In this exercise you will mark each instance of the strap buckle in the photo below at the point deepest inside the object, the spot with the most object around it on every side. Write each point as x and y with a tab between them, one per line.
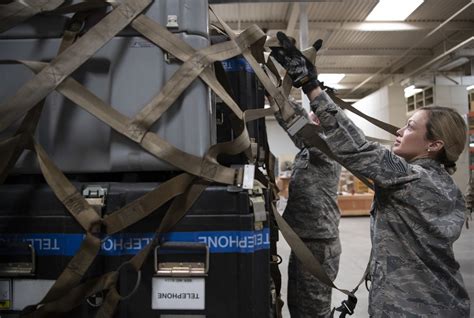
123	268
296	124
257	200
347	307
95	195
367	279
328	89
244	177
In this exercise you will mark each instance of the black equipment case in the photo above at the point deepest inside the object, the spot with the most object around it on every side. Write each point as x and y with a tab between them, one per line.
236	284
220	234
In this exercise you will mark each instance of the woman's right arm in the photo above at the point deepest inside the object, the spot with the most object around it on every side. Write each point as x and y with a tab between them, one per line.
299	110
349	145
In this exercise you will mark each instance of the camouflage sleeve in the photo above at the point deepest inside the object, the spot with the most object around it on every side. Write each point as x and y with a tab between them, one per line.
469	194
317	153
300	111
349	145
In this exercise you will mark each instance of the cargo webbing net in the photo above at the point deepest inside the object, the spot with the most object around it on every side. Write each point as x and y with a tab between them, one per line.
26	105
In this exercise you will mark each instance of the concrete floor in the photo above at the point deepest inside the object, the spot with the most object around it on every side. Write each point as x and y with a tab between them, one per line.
354	232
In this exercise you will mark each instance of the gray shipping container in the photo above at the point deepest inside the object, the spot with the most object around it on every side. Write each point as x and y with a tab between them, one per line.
126	73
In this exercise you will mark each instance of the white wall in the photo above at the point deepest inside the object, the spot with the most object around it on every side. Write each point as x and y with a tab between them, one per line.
386	104
279	142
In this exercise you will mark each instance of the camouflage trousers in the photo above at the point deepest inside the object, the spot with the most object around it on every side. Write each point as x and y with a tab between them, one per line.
307	296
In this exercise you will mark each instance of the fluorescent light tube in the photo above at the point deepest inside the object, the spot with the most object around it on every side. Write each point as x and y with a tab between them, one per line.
393	10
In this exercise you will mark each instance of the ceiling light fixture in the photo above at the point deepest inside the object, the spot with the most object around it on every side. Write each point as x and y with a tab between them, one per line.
393	10
453	64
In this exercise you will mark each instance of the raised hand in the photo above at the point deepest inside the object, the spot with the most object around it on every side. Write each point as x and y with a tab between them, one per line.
301	71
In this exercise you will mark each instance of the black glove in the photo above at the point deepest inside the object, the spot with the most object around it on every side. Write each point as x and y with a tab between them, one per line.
301	71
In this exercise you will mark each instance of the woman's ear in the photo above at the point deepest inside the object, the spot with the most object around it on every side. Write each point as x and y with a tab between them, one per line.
436	146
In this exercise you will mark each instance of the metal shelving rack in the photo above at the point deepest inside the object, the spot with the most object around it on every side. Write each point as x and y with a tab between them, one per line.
420	99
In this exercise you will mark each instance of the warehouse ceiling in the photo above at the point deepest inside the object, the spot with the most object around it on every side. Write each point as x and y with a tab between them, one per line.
436	39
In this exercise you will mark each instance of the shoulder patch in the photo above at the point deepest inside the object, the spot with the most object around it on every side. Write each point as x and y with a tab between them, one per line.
395	163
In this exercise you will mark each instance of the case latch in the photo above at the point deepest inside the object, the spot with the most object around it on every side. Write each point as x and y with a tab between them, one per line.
17	259
95	195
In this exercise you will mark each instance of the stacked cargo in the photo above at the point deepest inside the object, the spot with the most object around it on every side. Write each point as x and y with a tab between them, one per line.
213	263
126	73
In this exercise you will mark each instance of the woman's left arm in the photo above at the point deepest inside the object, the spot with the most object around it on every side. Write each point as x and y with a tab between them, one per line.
349	145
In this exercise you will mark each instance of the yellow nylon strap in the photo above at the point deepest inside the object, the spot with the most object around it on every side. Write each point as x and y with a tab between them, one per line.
310	262
73	298
168	42
66	192
189	71
137	132
90	246
286	86
310	132
16	12
310	53
75	269
30	121
382	125
146	204
183	51
107	309
108	281
150	141
234	147
177	210
160	36
137	210
281	101
120	219
84	214
68	61
82	260
253	114
201	167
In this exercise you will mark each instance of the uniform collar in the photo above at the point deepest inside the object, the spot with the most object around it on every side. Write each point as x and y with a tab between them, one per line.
426	163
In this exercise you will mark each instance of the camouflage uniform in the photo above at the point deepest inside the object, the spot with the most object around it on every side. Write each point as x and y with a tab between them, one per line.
313	214
469	199
418	213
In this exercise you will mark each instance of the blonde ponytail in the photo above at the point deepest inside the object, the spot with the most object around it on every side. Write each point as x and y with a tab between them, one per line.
447	125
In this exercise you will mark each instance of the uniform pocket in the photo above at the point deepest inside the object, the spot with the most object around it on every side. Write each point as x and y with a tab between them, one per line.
302	162
377	277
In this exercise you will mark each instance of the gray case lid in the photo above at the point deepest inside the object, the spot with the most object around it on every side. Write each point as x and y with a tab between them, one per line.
191	17
126	73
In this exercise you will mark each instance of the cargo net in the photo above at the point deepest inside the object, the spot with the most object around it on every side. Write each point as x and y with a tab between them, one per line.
77	46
